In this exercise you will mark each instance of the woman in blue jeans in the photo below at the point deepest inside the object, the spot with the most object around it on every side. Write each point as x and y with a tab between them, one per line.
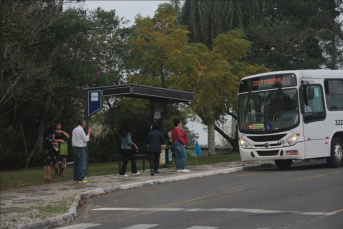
179	146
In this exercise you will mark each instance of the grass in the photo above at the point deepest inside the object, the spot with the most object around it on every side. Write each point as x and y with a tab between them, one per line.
58	207
30	177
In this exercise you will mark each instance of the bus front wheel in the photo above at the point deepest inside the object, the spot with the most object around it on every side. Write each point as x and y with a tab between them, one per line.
283	164
336	153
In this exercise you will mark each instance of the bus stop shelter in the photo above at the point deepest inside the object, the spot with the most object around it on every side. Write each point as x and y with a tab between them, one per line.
159	97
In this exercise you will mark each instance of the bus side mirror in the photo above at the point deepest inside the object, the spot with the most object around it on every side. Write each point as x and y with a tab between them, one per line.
301	97
310	95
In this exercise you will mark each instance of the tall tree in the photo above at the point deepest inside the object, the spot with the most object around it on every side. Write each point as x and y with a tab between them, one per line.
190	66
207	19
48	57
295	34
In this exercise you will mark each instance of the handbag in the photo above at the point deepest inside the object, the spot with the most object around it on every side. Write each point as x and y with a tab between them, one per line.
134	148
56	148
64	148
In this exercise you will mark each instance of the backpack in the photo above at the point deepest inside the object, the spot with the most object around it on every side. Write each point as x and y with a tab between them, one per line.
170	135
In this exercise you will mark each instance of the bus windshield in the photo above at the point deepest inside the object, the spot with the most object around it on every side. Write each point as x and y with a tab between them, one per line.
268	111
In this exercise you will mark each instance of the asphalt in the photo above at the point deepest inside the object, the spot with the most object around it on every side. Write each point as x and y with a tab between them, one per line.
20	208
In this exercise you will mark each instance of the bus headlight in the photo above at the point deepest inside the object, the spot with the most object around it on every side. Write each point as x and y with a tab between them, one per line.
243	143
292	140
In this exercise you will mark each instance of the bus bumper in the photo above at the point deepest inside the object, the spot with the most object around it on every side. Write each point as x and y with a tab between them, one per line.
296	152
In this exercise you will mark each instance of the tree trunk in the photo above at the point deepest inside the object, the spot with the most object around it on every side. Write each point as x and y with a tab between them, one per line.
39	141
21	131
233	141
211	140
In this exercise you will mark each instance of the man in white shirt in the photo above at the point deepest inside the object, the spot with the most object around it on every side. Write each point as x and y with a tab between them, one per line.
79	143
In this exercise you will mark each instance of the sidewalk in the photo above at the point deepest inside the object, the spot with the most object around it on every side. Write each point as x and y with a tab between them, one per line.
38	203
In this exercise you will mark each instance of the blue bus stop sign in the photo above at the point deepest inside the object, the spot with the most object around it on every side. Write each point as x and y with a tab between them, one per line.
94	102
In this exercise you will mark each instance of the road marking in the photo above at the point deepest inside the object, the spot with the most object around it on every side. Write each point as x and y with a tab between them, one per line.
245	210
340	210
141	226
311	177
200	198
201	227
80	226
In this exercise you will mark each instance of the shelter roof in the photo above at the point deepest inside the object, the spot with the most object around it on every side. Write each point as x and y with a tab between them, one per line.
145	92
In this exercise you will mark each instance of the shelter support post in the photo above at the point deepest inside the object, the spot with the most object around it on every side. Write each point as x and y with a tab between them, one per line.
152	112
86	128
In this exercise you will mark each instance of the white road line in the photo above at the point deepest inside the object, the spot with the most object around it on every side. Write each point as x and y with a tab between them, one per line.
201	227
256	211
80	226
141	226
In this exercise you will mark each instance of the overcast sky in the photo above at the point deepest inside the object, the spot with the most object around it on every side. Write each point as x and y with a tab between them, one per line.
129	9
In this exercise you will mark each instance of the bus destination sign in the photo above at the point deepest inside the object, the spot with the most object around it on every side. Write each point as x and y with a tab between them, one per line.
267	82
256	83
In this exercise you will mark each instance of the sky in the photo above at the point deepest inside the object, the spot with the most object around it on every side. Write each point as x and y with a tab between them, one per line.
128	10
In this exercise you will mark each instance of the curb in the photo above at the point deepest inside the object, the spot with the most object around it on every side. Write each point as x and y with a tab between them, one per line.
79	198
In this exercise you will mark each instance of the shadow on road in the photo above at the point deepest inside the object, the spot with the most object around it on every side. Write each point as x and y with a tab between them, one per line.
298	166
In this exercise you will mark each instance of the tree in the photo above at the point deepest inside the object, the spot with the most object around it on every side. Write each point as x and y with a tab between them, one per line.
44	70
294	34
190	66
207	19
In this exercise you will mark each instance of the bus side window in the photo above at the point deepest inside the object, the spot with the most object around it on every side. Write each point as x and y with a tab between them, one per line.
334	94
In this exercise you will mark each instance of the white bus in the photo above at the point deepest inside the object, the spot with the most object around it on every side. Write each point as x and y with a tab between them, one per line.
291	115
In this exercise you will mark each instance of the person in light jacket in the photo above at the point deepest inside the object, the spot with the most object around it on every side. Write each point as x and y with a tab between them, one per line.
154	139
126	149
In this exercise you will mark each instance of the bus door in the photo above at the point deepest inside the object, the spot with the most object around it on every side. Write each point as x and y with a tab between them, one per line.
314	114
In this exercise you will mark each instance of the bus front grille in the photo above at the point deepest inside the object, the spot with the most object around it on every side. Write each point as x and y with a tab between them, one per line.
268	153
264	146
267	138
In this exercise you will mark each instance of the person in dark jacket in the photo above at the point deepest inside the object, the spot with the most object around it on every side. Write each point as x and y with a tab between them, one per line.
155	139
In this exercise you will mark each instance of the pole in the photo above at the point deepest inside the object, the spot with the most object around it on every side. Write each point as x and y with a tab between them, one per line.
152	112
196	159
86	128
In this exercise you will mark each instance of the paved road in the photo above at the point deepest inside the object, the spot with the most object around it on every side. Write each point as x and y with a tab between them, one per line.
309	195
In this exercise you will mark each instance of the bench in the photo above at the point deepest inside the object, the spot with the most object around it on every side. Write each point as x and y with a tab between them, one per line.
136	156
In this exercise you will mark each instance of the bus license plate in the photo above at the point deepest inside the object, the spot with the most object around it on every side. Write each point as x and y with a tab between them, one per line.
292	152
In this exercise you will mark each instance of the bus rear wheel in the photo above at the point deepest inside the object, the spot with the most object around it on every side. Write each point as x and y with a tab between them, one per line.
336	153
283	164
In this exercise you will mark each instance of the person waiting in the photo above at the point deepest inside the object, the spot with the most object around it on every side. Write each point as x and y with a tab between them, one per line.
50	154
154	139
58	136
126	149
179	146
